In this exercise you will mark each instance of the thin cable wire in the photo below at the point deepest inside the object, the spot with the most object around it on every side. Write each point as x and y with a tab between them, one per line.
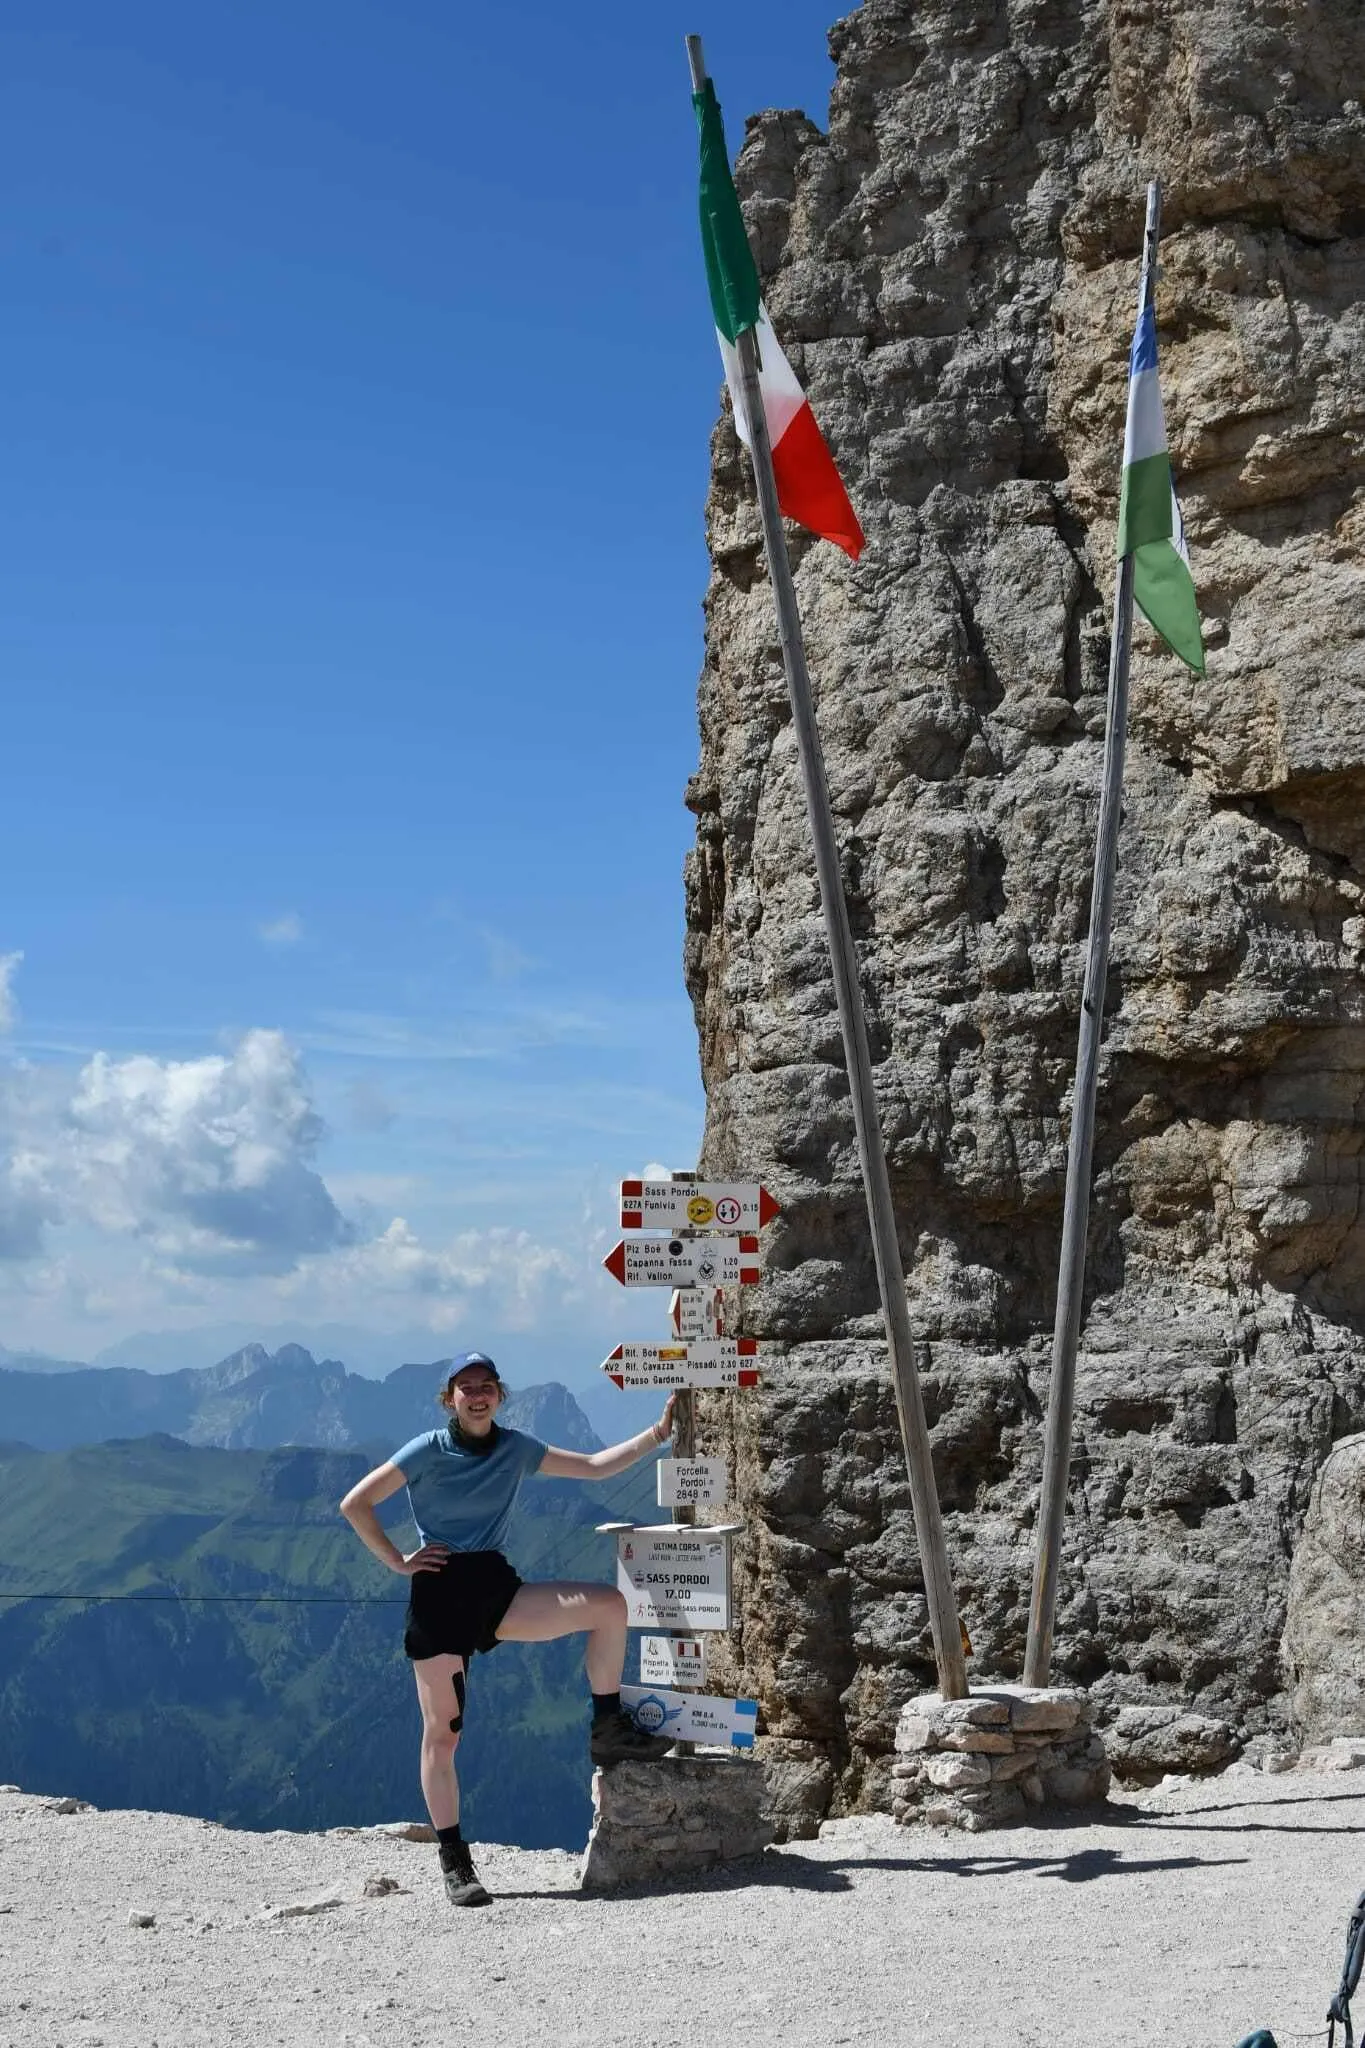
226	1599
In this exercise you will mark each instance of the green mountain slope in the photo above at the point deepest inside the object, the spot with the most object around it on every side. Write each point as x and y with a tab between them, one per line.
253	1670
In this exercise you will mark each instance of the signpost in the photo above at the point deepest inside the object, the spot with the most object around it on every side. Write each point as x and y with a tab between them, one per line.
728	1362
684	1262
674	1577
695	1205
677	1661
692	1717
697	1312
692	1482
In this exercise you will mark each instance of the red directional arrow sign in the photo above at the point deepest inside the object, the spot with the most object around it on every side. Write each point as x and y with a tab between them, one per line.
685	1262
726	1362
695	1205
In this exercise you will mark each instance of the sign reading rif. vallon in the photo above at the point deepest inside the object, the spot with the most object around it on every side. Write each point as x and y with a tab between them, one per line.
677	1661
692	1482
674	1578
695	1205
697	1312
728	1362
684	1262
691	1716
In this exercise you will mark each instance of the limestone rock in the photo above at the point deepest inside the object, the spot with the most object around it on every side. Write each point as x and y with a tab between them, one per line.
953	267
1324	1638
653	1823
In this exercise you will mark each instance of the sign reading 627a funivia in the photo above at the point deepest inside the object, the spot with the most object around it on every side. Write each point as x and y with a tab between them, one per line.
684	1262
695	1205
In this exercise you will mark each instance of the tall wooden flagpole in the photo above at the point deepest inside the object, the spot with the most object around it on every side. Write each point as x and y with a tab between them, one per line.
1076	1210
943	1616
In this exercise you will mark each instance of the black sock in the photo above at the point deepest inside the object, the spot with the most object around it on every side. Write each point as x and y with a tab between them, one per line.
448	1840
605	1704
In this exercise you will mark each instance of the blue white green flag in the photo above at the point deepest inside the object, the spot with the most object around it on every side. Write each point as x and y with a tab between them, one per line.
1150	527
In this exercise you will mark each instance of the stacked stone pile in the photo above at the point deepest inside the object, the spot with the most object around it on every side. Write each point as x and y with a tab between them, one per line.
653	1823
976	1762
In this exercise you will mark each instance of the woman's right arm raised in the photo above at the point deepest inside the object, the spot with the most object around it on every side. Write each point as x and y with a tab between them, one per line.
359	1509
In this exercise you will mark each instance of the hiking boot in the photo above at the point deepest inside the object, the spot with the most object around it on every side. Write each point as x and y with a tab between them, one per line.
461	1879
617	1740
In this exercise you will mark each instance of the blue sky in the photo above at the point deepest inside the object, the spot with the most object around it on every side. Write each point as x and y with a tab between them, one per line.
359	377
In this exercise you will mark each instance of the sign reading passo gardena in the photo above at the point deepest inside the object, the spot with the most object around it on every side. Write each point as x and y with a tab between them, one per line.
691	1716
729	1362
695	1205
684	1262
674	1578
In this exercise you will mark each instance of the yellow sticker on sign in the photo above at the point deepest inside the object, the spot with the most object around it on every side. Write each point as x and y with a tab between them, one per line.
700	1210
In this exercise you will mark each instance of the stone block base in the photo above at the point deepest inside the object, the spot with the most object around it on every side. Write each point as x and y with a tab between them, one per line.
996	1756
656	1822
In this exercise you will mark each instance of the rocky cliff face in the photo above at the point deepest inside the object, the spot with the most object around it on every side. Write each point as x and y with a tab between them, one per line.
954	264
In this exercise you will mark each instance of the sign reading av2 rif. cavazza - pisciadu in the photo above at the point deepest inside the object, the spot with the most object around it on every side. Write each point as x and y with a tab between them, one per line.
695	1205
729	1362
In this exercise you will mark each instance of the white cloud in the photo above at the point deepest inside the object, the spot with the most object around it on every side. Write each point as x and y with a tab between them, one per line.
503	1276
208	1159
282	931
9	1009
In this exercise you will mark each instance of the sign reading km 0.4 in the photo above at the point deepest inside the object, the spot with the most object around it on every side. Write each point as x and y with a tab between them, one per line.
684	1262
695	1205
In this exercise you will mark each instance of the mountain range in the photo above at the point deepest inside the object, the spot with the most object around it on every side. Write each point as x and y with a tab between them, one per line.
193	1628
256	1400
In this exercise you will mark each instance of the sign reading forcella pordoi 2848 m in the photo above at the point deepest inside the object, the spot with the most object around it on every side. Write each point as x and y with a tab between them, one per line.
695	1205
692	1482
728	1362
684	1262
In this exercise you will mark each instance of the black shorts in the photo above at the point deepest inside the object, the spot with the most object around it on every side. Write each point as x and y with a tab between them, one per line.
457	1610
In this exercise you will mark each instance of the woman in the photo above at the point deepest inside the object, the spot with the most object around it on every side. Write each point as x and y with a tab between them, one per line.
462	1484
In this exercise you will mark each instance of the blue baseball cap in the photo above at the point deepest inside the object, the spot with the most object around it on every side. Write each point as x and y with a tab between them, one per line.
467	1358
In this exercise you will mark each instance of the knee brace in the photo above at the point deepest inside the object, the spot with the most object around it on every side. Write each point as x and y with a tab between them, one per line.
458	1723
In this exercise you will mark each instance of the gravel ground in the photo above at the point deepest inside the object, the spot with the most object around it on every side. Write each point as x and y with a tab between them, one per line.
1186	1916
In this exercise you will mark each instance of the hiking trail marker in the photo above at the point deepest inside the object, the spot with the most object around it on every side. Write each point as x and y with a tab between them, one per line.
691	1716
673	1577
684	1261
697	1312
675	1661
680	1204
727	1362
692	1482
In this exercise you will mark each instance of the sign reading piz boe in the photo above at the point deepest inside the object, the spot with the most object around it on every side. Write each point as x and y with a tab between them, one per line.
684	1262
674	1577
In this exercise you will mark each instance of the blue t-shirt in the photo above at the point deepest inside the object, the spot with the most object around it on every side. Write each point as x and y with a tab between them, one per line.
461	1497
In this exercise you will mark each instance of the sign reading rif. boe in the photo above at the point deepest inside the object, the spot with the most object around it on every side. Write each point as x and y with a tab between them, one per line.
730	1362
674	1577
684	1262
676	1661
692	1482
695	1205
691	1716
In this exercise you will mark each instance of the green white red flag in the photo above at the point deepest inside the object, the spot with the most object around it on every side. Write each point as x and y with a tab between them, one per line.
809	487
1151	529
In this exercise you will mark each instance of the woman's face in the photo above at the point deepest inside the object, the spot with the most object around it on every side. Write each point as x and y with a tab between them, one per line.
473	1397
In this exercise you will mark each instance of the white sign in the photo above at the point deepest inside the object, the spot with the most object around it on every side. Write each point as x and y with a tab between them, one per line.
729	1362
691	1716
673	1660
692	1482
697	1312
684	1262
695	1205
677	1578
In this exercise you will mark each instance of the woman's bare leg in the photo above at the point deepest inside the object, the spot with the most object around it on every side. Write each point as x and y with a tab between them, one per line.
540	1613
440	1690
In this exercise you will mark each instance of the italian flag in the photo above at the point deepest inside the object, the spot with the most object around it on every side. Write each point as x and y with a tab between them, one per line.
1150	527
809	489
